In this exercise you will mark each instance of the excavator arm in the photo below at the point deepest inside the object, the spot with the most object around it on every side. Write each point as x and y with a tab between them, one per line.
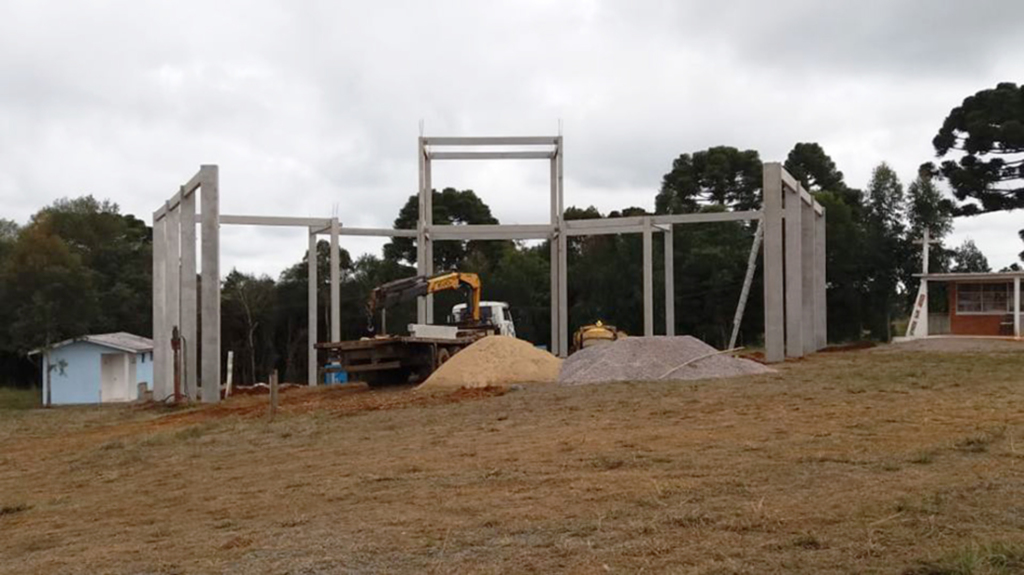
406	289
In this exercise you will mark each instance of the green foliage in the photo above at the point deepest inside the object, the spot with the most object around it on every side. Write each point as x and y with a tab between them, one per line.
888	250
722	175
808	163
968	258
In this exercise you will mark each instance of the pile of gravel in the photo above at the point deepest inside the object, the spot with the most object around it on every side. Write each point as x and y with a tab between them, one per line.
650	359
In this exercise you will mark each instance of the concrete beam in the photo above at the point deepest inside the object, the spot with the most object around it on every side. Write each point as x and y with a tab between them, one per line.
748	280
491	141
184	191
209	196
708	217
490	232
491	155
774	306
189	298
602	231
236	220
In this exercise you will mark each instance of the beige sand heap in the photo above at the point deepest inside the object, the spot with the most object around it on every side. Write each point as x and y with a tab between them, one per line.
496	360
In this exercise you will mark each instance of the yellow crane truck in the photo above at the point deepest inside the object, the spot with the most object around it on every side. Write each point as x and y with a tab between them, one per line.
382	359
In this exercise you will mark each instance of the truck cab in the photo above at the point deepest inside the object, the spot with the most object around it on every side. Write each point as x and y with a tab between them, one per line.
495	313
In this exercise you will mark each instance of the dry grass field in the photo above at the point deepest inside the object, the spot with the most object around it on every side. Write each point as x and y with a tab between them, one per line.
870	461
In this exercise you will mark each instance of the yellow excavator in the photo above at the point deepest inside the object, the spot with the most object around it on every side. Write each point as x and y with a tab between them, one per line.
593	334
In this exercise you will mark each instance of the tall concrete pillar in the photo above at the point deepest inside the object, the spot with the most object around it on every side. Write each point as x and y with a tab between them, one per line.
555	331
809	309
172	279
335	282
648	278
209	196
820	283
421	232
670	282
563	255
189	296
311	308
428	243
774	306
794	273
159	308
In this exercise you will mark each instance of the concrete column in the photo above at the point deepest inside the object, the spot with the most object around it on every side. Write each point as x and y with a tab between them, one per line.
807	242
748	280
421	236
172	279
555	331
335	282
311	316
563	256
794	273
428	243
210	362
1016	307
159	309
774	306
670	282
189	310
820	283
648	278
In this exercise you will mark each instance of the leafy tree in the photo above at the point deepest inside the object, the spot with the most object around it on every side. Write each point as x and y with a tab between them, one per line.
887	246
248	323
808	163
450	207
722	175
968	258
988	130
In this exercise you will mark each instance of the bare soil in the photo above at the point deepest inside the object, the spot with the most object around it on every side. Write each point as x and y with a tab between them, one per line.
852	462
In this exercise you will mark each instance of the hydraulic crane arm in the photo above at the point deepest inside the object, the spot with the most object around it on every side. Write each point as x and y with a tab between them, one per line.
406	289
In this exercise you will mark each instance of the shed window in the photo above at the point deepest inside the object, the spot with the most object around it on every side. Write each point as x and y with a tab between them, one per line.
983	298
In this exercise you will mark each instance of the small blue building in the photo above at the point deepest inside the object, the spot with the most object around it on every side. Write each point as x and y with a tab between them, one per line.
101	368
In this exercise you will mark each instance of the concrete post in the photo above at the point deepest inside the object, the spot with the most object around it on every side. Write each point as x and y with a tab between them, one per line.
794	273
1016	307
670	282
555	331
159	320
820	283
189	296
807	243
311	316
421	235
563	257
210	362
774	307
748	280
172	298
648	278
335	283
428	243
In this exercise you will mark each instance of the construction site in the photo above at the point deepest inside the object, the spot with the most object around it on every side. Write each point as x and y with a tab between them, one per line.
451	445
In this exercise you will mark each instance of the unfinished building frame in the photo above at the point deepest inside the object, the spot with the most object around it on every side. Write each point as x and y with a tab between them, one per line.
791	223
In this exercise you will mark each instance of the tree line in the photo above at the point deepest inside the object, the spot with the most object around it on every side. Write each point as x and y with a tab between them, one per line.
80	266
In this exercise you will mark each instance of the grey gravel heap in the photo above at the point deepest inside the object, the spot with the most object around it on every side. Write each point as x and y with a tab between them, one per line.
650	359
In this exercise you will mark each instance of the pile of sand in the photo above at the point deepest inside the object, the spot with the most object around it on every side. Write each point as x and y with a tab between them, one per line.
495	360
652	359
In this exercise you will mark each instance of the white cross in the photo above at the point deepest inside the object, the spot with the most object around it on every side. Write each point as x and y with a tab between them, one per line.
926	241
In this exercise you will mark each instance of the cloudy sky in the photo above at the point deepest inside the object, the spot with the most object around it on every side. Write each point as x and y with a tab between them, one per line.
313	108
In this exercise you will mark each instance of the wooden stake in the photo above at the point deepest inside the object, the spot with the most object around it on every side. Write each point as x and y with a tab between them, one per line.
273	394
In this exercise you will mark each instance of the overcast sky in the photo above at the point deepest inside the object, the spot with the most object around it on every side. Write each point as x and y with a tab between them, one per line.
313	108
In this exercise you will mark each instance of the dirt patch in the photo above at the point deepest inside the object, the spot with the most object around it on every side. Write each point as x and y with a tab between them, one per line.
495	360
653	359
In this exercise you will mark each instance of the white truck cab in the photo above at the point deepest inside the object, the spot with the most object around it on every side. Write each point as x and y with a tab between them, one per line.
494	312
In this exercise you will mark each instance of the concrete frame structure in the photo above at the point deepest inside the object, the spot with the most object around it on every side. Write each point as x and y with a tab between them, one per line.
791	222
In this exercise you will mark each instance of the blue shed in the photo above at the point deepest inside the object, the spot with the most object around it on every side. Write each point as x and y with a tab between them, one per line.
101	368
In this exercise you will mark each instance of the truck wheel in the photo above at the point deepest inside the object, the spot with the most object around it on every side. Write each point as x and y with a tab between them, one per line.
442	356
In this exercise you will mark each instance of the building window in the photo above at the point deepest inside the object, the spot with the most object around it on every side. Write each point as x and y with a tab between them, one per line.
983	298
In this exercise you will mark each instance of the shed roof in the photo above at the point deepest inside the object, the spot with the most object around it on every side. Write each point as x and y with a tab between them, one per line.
119	340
